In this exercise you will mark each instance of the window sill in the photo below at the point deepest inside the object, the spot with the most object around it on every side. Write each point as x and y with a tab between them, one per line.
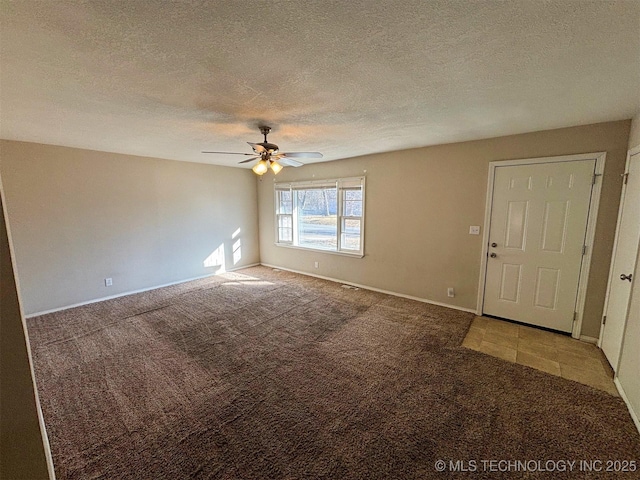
319	250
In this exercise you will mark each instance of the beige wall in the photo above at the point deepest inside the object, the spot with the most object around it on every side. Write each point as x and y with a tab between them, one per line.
80	216
421	202
634	135
22	452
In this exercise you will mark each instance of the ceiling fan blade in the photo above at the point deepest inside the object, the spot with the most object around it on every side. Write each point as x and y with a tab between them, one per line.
288	162
231	153
257	148
302	154
249	160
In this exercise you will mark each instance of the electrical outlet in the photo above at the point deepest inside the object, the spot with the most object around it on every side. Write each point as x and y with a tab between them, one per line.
315	264
474	230
108	282
451	292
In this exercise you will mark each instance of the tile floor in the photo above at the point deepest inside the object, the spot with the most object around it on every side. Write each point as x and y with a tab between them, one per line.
550	352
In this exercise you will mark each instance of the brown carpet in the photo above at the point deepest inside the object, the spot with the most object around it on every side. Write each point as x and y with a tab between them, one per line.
263	374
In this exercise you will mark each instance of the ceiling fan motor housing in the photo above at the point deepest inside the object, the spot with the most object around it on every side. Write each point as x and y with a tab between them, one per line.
270	147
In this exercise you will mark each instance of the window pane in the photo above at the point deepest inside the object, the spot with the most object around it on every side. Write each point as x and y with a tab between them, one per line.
317	220
352	208
350	234
285	221
285	205
353	194
285	234
285	228
352	202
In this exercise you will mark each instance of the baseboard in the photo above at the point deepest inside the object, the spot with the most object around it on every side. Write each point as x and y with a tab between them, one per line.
131	292
623	394
374	289
587	339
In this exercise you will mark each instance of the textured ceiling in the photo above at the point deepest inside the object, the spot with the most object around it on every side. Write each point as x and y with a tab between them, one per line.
169	79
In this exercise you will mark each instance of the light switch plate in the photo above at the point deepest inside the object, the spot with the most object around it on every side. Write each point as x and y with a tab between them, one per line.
474	230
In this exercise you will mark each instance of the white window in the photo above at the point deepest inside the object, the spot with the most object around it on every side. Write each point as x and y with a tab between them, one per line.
323	215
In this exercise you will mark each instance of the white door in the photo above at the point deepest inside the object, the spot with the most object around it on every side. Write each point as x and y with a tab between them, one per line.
624	261
538	224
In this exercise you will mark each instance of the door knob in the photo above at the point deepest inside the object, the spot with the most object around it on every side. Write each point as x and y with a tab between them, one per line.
494	244
626	277
493	255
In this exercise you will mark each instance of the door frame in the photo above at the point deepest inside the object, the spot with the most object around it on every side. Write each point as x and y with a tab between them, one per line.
630	153
594	204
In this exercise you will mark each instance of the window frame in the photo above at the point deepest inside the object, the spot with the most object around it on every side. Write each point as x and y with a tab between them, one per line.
338	184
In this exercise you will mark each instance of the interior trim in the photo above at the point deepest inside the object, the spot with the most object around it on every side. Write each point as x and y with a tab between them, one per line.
131	292
367	287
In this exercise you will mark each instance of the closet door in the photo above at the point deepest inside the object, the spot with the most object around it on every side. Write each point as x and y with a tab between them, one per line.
621	277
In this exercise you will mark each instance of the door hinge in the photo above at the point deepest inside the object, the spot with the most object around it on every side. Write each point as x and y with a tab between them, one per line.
584	250
595	177
604	319
575	316
625	177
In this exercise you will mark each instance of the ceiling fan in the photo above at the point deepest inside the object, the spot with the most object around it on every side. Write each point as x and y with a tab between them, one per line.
270	155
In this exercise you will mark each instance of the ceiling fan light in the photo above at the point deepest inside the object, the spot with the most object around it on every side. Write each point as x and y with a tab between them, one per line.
260	168
276	167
